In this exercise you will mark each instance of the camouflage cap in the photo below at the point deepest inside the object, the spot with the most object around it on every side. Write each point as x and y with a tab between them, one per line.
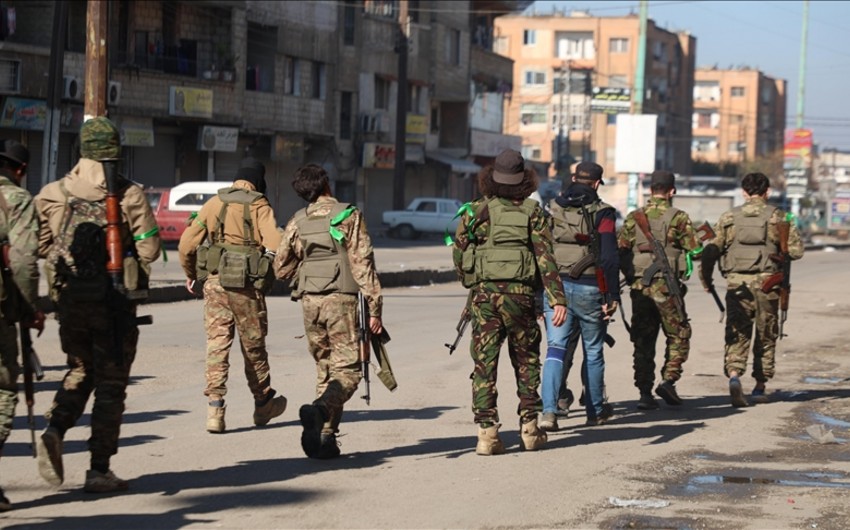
100	139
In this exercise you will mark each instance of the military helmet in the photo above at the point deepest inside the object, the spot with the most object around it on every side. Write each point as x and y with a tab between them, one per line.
100	139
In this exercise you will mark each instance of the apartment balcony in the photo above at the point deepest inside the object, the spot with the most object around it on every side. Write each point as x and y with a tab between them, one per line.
491	69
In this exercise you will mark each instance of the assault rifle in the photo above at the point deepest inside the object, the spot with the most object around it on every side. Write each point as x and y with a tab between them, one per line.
707	234
32	368
119	297
31	362
783	277
465	317
363	337
660	264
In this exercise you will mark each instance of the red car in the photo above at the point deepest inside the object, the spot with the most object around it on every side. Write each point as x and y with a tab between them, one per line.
172	207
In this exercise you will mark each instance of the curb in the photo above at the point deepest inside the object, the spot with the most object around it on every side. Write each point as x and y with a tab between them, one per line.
177	292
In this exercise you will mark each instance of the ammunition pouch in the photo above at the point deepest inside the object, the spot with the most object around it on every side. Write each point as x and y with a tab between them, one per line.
468	266
237	266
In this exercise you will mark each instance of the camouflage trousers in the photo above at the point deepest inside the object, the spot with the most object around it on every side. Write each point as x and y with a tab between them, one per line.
652	308
9	371
86	332
330	323
496	317
225	312
747	305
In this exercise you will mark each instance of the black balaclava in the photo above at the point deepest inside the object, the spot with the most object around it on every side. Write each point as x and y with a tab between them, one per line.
253	171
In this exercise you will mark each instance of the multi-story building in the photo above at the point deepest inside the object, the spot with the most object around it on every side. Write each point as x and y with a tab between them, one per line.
739	115
558	60
197	86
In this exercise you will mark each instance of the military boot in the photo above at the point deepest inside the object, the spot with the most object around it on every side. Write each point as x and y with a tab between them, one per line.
215	419
273	408
489	442
533	438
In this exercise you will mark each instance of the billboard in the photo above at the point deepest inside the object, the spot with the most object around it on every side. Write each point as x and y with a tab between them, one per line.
798	161
635	151
610	100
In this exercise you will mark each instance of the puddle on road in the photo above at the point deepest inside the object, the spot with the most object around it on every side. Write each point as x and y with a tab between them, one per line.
703	483
832	422
822	380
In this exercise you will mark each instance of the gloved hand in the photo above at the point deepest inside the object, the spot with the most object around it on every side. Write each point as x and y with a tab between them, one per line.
35	321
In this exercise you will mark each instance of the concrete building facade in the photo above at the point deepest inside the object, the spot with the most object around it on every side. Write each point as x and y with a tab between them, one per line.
739	115
197	86
559	59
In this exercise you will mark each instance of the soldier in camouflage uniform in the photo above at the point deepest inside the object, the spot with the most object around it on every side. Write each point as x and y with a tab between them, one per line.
503	252
327	251
652	306
747	238
237	222
19	286
87	321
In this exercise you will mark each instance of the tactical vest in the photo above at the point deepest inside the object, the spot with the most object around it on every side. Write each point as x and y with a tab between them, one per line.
237	265
325	268
506	255
750	250
568	222
659	227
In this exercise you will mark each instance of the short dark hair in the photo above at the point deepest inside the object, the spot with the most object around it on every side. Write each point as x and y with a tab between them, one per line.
490	188
310	182
755	184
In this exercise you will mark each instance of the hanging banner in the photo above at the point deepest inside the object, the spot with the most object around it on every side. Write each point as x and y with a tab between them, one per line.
190	102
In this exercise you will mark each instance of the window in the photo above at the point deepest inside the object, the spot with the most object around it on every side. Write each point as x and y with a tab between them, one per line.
382	93
706	120
707	91
415	98
529	37
531	113
260	63
292	84
766	95
533	77
382	8
737	147
435	119
10	76
575	45
348	21
703	144
427	206
319	80
738	92
737	119
531	152
345	113
453	47
413	9
618	45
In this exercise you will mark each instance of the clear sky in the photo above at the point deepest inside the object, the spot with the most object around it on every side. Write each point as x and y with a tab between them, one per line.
764	35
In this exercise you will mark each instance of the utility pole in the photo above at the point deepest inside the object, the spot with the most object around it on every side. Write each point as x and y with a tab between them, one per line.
559	142
637	97
95	81
801	99
401	105
50	150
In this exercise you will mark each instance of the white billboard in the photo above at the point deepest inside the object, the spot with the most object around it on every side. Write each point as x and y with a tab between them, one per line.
635	151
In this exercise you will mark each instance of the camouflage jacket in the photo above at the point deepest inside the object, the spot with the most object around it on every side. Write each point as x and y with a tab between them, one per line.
725	234
472	231
19	227
358	244
681	235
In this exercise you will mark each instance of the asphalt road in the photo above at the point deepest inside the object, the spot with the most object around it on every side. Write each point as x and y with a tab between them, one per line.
409	461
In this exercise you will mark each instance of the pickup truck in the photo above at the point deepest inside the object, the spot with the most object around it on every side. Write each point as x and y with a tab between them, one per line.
422	215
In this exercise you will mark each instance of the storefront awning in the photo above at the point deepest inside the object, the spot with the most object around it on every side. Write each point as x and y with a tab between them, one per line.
458	165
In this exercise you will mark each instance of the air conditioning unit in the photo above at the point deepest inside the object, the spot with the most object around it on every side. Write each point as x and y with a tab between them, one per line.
73	88
113	93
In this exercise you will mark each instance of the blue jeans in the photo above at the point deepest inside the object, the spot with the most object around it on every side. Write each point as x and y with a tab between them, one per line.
584	315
